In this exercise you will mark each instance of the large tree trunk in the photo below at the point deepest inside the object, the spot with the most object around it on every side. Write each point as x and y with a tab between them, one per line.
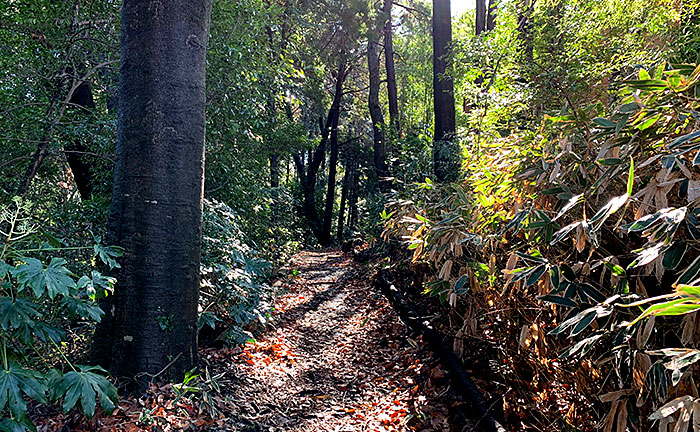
391	87
375	112
445	149
76	151
158	186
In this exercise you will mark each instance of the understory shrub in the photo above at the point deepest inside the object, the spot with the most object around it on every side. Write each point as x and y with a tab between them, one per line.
44	309
575	246
234	295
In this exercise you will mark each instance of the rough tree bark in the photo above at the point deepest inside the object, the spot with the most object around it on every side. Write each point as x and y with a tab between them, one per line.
151	331
445	150
391	87
375	112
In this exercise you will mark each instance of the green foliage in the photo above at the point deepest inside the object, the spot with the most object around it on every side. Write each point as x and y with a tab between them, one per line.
600	202
36	300
233	293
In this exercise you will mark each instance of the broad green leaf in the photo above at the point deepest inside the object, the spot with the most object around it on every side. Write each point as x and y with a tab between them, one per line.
17	313
96	285
648	255
107	254
674	255
85	309
585	321
16	381
562	233
609	209
616	269
535	275
684	139
459	287
54	279
630	178
600	121
649	122
690	274
87	385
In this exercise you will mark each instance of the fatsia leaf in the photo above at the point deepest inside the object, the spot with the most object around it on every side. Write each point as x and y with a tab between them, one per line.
97	285
54	279
16	380
17	313
107	254
85	309
87	385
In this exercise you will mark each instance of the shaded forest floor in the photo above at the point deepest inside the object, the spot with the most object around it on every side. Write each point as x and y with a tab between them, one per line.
335	358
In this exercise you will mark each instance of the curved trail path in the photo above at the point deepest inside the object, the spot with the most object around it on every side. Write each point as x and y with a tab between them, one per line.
337	358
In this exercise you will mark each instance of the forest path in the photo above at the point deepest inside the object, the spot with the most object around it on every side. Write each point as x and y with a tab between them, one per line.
337	358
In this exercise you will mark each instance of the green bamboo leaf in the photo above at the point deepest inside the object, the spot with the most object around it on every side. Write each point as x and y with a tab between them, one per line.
649	122
630	178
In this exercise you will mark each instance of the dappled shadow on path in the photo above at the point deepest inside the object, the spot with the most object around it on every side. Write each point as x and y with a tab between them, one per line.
336	358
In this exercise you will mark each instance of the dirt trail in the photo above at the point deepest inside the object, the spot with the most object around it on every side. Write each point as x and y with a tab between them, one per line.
337	359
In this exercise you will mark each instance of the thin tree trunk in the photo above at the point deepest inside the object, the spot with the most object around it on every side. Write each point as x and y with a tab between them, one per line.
391	87
77	161
491	17
343	200
480	16
319	155
375	112
445	150
151	334
330	194
354	186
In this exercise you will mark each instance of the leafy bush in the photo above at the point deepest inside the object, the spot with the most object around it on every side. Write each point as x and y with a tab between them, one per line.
574	226
233	291
39	298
